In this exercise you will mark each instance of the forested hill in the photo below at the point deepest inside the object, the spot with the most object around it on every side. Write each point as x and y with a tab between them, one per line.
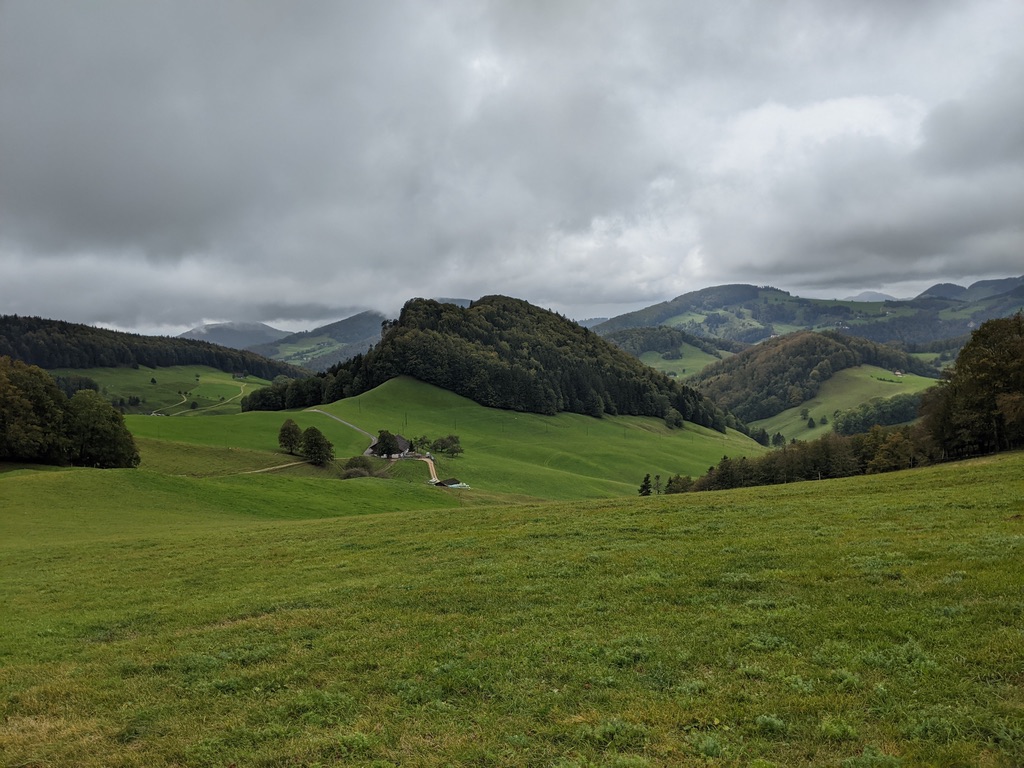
56	344
749	314
507	353
779	373
665	340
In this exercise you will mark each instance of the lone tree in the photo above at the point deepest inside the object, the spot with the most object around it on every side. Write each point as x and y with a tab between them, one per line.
645	486
290	436
317	448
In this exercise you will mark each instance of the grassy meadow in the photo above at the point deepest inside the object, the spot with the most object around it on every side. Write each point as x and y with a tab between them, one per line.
691	362
152	619
567	456
177	387
846	389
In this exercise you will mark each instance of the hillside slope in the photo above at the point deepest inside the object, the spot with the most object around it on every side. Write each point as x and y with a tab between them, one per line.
750	313
506	353
873	621
327	345
236	335
784	372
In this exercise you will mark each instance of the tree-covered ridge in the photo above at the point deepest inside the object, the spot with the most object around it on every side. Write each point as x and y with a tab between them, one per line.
783	372
706	299
749	314
666	341
506	353
58	344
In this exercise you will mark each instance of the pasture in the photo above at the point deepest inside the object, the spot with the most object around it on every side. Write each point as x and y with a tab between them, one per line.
269	620
846	389
172	390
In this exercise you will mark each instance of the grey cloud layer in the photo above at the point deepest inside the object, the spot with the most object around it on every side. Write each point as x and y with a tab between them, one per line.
166	162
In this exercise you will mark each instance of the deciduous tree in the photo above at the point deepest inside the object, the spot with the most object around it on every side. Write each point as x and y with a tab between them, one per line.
290	436
317	448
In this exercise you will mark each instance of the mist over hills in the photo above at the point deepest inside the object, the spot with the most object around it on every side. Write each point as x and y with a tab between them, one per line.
236	335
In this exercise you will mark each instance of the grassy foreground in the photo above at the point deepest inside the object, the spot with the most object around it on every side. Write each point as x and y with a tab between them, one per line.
875	621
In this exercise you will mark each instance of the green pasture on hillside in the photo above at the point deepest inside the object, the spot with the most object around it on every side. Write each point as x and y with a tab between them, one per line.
846	389
165	621
509	456
176	388
550	457
691	362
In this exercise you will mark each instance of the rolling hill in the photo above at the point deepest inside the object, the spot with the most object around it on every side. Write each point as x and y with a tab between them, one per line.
751	314
785	372
508	455
507	353
263	619
328	345
236	335
53	344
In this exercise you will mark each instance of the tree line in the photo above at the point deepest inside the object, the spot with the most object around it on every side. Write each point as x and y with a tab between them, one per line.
40	424
54	344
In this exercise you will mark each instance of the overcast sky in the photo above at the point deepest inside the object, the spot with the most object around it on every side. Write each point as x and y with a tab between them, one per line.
164	164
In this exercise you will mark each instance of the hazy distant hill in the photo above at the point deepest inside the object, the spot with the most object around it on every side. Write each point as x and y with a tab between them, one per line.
235	335
751	314
327	345
871	296
783	372
56	344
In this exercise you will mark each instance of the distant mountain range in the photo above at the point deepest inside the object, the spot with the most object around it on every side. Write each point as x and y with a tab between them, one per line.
327	345
235	335
750	313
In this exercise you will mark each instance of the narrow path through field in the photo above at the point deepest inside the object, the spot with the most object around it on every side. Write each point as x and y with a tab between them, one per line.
373	438
373	441
430	463
271	469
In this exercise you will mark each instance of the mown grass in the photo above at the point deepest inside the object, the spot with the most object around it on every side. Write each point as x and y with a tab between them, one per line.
158	621
846	389
177	387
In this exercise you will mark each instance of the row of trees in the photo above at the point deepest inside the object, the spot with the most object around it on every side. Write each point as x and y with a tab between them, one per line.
883	412
39	423
310	443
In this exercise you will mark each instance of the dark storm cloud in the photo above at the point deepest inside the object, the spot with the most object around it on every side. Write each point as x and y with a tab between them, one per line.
168	162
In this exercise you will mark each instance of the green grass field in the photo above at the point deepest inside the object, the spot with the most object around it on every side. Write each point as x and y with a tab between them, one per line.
847	389
266	620
549	457
301	352
176	388
691	362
